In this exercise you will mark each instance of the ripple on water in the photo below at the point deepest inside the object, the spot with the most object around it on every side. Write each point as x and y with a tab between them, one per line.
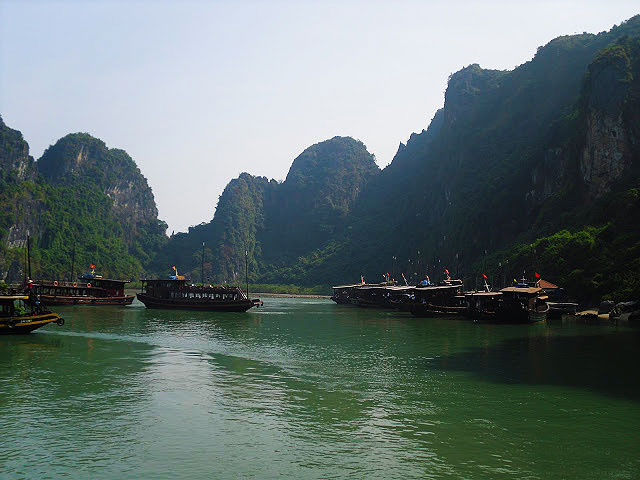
304	389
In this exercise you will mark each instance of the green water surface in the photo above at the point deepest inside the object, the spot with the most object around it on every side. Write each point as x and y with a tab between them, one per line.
304	388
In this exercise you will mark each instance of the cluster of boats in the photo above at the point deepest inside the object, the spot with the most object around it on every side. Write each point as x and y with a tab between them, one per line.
524	302
24	309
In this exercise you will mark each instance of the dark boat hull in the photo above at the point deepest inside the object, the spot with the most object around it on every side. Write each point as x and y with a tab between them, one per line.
26	324
218	306
51	300
434	311
519	316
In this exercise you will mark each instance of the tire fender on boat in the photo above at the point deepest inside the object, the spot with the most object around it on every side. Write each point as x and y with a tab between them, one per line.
11	323
55	283
60	322
75	284
88	284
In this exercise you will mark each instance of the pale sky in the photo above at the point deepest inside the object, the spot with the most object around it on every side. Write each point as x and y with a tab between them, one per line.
198	92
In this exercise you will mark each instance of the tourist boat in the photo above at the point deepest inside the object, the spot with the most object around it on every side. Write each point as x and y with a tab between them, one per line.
89	289
175	293
21	314
444	299
482	305
521	304
380	295
342	294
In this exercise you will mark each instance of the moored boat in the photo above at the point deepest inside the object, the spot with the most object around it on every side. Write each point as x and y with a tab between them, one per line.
522	304
22	314
482	305
444	299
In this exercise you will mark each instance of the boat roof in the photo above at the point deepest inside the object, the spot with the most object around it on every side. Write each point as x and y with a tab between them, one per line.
79	281
11	298
348	286
429	288
179	279
546	284
530	290
484	294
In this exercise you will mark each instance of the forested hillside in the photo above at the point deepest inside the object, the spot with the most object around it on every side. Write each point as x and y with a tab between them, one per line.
275	222
534	169
79	193
523	170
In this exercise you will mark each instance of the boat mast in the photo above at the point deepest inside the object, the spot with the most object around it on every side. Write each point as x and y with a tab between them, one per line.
73	261
29	256
202	266
246	269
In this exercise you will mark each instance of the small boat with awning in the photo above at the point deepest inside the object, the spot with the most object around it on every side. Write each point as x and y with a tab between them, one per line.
22	314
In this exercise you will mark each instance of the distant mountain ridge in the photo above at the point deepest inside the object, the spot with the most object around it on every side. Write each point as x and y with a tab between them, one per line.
533	169
277	222
512	158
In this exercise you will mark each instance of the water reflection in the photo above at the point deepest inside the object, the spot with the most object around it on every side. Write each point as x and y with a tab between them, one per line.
603	362
310	389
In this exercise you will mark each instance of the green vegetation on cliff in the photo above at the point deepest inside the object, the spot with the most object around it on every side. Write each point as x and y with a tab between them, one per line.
537	168
80	193
532	156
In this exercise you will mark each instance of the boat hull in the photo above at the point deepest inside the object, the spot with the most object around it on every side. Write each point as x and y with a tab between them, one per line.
51	300
221	306
435	311
26	324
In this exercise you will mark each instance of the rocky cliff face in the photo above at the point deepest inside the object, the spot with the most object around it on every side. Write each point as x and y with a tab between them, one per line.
277	223
82	159
15	162
79	193
610	108
16	167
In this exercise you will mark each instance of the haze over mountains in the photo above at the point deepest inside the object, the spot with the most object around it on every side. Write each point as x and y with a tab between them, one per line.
531	169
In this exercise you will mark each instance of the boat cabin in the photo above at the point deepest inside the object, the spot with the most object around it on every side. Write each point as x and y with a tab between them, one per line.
14	306
178	289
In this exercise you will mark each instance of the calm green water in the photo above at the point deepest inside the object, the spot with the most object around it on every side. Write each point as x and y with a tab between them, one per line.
308	389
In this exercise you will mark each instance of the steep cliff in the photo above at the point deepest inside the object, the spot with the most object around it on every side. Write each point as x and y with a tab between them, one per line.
79	193
277	223
512	156
80	159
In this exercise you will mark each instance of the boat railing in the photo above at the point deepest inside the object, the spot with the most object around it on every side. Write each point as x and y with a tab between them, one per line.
62	283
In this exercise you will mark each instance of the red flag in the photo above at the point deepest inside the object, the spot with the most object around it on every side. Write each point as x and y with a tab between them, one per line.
537	275
446	271
92	266
174	268
485	277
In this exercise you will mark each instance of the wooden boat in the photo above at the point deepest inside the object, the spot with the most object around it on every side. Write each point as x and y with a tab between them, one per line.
175	293
444	299
89	289
482	305
557	309
372	296
521	304
342	294
20	314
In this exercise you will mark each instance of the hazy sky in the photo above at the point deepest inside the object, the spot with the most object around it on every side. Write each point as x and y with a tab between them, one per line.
198	92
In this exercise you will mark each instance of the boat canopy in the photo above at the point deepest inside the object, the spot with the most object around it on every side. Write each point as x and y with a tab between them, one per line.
11	298
527	290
